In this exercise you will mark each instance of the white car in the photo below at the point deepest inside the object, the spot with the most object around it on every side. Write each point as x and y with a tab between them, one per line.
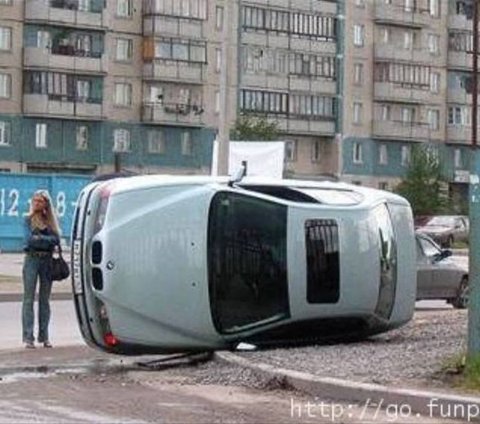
176	263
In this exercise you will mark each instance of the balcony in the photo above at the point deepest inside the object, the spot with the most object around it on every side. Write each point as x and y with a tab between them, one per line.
387	91
460	22
164	25
64	12
62	106
173	114
170	70
459	96
303	125
65	57
398	130
398	53
459	134
394	14
460	60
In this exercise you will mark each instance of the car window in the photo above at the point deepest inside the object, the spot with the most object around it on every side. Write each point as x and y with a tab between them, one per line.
429	248
247	261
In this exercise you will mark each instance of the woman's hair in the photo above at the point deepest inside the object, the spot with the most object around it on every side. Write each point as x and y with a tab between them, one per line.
46	218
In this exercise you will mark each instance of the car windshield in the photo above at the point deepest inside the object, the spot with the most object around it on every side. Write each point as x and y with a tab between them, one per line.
445	221
429	247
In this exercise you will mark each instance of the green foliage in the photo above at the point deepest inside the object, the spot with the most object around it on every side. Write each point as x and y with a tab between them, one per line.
423	183
249	128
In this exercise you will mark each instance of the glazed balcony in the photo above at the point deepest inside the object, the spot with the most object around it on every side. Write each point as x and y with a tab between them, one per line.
69	12
395	14
168	70
402	93
65	57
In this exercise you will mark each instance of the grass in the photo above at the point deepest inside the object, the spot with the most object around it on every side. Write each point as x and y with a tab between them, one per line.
462	372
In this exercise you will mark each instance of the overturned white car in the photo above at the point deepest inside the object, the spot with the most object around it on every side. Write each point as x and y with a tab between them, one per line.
170	263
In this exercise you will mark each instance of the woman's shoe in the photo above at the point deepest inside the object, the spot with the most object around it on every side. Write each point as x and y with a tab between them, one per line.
47	344
29	345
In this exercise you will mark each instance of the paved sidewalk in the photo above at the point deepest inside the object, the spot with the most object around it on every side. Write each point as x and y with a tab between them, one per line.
11	286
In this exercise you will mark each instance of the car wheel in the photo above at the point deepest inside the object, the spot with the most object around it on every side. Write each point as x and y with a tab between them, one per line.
461	301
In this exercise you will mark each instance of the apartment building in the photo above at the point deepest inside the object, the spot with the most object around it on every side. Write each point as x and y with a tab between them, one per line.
407	65
82	80
289	73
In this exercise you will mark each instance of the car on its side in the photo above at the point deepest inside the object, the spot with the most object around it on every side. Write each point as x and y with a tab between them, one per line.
446	229
439	276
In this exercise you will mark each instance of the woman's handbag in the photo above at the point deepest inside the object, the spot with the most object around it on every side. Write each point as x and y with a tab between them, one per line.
59	269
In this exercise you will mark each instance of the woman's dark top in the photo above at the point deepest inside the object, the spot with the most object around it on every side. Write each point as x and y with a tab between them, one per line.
38	240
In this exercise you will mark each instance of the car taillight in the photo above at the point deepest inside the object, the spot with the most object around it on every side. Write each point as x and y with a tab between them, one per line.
110	340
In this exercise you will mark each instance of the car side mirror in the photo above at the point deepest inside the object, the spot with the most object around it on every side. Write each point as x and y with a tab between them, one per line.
446	253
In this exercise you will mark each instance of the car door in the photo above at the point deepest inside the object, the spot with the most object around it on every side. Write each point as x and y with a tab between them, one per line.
424	271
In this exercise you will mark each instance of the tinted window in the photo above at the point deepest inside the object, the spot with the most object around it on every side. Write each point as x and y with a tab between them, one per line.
247	261
388	263
323	268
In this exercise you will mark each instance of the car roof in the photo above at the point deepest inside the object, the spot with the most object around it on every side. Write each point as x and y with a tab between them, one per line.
121	185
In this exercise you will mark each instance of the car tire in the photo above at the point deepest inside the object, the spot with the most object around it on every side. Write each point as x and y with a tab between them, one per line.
461	301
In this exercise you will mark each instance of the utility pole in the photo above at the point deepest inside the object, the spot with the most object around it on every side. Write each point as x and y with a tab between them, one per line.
223	126
474	206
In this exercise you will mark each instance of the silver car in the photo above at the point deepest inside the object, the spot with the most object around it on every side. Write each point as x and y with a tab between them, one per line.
446	229
438	275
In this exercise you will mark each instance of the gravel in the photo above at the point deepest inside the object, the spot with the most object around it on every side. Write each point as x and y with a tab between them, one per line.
413	354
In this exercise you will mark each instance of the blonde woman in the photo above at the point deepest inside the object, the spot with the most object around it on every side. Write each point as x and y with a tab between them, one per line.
41	235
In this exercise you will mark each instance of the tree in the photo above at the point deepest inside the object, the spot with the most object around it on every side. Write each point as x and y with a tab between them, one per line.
249	128
423	182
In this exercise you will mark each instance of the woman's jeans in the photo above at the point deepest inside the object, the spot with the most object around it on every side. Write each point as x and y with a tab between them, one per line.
36	267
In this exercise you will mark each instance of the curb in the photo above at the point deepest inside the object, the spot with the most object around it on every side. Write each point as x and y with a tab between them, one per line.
419	402
18	297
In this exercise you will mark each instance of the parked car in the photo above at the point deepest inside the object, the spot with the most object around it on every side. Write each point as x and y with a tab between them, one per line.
438	275
445	229
173	263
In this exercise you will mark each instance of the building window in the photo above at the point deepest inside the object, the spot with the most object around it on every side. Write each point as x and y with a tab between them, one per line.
409	5
6	2
217	101
123	94
156	142
43	39
406	155
316	151
218	60
291	150
383	154
458	159
83	90
124	49
409	40
358	35
219	17
459	115
357	153
5	133
403	73
385	112
82	137
181	50
358	73
121	140
360	3
357	113
385	35
408	115
434	82
5	38
383	185
187	144
434	44
194	9
434	6
124	8
5	86
433	119
41	136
